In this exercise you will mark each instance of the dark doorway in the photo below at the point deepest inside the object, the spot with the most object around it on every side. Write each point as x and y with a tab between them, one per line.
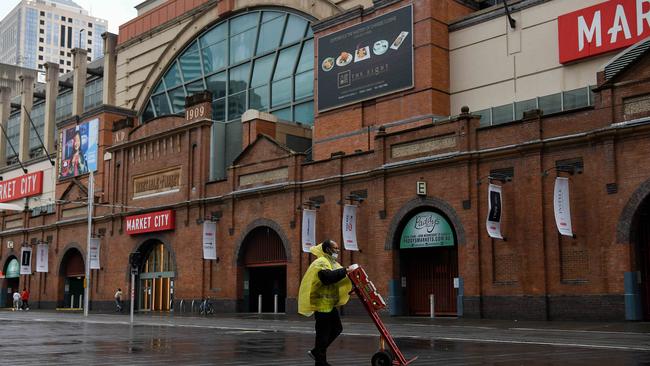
643	255
72	274
268	282
11	282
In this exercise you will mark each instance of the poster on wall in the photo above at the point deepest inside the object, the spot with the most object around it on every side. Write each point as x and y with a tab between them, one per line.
94	253
26	261
42	258
78	149
427	229
493	222
366	60
308	229
209	240
349	226
562	206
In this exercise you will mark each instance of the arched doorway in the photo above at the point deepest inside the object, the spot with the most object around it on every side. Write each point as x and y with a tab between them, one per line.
265	270
428	254
642	254
11	281
72	273
155	278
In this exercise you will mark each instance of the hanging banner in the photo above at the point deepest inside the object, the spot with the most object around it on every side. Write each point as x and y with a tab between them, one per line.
562	206
308	229
427	229
349	226
42	258
493	222
26	261
209	240
94	253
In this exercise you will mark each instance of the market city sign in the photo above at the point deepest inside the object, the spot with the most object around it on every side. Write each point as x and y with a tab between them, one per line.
150	222
24	186
602	28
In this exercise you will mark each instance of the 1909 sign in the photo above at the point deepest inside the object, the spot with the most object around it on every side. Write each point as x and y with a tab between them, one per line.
195	112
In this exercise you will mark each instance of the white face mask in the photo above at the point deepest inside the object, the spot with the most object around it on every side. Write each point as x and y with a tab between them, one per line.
335	255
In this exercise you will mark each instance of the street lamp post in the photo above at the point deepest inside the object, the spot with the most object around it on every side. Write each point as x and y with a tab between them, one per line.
91	195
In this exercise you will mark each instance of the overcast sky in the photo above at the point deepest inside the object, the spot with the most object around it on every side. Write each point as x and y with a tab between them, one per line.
115	11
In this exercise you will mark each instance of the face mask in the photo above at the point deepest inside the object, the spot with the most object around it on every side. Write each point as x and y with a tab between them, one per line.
335	255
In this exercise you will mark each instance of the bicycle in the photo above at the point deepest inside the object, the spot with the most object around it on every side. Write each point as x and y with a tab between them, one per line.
206	307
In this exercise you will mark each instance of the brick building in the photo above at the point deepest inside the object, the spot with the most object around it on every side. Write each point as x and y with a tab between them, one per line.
239	117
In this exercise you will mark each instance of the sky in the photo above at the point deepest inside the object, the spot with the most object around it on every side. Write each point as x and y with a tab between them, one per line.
115	11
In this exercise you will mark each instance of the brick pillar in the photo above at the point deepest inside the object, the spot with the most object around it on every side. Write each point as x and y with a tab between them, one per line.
5	111
51	93
255	122
110	68
26	101
79	82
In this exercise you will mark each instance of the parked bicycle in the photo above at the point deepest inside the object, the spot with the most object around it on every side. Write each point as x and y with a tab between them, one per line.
206	307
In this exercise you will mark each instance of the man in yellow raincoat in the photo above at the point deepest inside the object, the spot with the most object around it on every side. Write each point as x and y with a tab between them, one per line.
324	287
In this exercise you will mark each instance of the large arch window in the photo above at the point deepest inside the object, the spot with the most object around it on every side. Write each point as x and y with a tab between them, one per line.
260	59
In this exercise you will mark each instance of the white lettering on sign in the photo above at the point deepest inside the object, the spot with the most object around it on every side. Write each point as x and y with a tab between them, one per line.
589	32
195	112
155	221
20	187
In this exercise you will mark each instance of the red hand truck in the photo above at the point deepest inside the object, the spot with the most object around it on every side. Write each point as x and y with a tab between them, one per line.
373	302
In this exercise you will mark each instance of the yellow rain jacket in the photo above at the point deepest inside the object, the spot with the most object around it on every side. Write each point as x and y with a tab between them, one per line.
313	295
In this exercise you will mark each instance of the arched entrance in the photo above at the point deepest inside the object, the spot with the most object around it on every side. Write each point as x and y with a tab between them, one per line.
72	273
155	278
265	270
642	254
428	254
10	282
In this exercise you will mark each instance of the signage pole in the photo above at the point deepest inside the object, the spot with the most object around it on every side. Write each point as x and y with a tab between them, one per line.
91	194
132	292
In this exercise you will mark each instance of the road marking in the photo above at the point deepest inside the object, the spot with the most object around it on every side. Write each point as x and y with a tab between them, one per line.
579	331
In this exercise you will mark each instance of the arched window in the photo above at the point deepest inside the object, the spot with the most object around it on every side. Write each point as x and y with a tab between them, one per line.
259	59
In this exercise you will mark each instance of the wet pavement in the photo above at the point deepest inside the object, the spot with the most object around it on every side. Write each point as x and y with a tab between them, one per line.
40	338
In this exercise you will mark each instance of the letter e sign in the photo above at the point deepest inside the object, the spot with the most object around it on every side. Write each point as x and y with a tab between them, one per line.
421	188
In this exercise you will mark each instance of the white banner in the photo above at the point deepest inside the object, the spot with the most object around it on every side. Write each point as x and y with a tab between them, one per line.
308	229
349	226
209	240
493	222
94	253
562	206
42	258
26	261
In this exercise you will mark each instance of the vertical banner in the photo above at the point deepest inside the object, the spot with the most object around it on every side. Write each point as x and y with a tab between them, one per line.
493	222
209	240
26	261
308	229
562	206
42	258
94	253
349	226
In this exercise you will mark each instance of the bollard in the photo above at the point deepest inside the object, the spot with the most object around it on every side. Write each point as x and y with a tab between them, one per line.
259	304
181	306
275	304
71	301
192	307
432	304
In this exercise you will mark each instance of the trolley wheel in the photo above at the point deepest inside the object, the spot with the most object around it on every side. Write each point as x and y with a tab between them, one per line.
382	358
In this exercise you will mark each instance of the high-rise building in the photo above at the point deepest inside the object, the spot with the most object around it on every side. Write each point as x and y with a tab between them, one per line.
40	31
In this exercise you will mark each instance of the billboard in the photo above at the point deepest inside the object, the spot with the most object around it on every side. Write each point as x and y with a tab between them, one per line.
427	229
367	60
78	147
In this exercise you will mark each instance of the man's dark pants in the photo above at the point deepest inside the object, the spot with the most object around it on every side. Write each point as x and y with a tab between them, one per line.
328	327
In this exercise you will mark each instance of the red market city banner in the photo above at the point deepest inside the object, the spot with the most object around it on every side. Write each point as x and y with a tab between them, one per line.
150	222
602	28
24	186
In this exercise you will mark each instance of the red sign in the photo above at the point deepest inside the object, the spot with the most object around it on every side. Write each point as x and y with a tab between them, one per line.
149	222
602	28
25	186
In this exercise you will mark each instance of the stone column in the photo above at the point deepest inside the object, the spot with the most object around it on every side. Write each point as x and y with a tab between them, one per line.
5	111
26	101
110	68
51	93
79	82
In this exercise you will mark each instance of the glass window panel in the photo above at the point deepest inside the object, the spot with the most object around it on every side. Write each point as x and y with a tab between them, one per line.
576	98
217	85
551	103
485	116
177	98
296	27
523	106
241	46
219	109
286	62
148	113
195	87
304	84
310	32
304	113
215	57
238	78
283	114
236	105
268	15
216	34
172	77
244	22
270	35
161	104
281	92
262	70
159	88
259	98
190	66
306	57
502	114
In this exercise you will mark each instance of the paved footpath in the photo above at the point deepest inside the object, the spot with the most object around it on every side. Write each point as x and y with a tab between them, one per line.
44	337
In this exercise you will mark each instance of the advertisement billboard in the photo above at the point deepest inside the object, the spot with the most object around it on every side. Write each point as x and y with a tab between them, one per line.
427	229
78	147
